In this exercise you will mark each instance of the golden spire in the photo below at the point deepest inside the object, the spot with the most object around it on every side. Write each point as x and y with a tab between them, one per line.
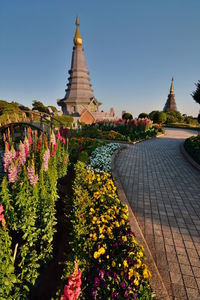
172	86
77	38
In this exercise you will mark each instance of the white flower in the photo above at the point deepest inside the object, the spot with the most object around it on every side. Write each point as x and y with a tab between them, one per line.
101	157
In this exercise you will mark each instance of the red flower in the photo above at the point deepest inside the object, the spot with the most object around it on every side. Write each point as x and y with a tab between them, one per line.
1	211
73	289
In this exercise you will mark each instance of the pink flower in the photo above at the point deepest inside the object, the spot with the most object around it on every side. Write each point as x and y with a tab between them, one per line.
22	154
12	173
53	138
65	159
26	147
30	140
73	289
33	178
39	144
1	212
7	158
46	157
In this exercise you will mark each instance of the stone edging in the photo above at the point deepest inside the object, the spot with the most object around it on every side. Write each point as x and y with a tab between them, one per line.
188	157
156	280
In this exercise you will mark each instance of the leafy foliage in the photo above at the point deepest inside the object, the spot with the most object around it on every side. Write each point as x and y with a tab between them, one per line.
196	93
143	115
192	146
127	116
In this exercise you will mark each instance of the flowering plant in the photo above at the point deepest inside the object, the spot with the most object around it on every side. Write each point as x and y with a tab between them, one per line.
28	194
101	157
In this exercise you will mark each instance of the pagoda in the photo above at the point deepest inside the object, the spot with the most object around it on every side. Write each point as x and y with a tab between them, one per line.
79	100
79	94
170	103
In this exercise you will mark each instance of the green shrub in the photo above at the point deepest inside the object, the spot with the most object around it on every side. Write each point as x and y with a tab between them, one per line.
192	146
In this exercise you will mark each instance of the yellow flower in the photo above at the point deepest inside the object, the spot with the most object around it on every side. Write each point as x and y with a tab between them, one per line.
124	238
146	273
125	264
136	281
139	263
113	263
102	236
94	220
102	250
130	273
140	254
122	222
116	223
96	254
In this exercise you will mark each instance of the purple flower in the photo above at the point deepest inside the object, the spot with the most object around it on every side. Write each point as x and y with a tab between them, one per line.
101	273
126	294
96	281
12	173
94	294
123	284
46	157
33	178
115	295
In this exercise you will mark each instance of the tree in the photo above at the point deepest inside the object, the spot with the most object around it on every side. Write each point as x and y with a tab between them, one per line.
6	107
151	115
159	117
196	96
143	115
174	116
38	105
54	109
127	116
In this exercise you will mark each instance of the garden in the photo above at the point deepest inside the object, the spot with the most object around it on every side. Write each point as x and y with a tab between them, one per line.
57	195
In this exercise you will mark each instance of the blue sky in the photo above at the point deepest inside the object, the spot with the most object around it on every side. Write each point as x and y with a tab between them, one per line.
132	49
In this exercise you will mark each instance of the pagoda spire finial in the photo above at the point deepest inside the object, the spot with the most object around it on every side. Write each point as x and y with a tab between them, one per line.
77	38
172	86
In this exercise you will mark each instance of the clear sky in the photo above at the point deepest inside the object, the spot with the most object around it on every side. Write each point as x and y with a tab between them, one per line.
132	48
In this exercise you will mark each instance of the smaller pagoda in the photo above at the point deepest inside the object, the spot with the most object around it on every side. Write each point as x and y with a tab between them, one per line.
171	103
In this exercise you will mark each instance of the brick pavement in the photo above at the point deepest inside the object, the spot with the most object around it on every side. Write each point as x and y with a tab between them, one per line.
163	190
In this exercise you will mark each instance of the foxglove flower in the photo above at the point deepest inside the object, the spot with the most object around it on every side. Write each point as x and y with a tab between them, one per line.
22	154
46	157
12	173
7	159
1	212
33	178
26	146
53	138
73	289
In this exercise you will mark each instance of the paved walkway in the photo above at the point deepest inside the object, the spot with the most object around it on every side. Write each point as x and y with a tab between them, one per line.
163	190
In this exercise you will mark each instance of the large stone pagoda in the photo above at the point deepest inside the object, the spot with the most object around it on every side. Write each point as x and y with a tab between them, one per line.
171	103
79	100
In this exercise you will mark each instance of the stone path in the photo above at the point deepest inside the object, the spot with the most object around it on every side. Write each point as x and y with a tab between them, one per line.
163	190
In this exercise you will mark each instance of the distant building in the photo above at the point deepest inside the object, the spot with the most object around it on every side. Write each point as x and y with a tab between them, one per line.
79	100
170	103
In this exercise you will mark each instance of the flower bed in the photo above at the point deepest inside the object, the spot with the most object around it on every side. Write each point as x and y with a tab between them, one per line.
120	130
192	146
28	194
111	262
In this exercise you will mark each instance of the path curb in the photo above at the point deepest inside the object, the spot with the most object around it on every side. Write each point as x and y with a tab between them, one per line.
188	157
156	281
